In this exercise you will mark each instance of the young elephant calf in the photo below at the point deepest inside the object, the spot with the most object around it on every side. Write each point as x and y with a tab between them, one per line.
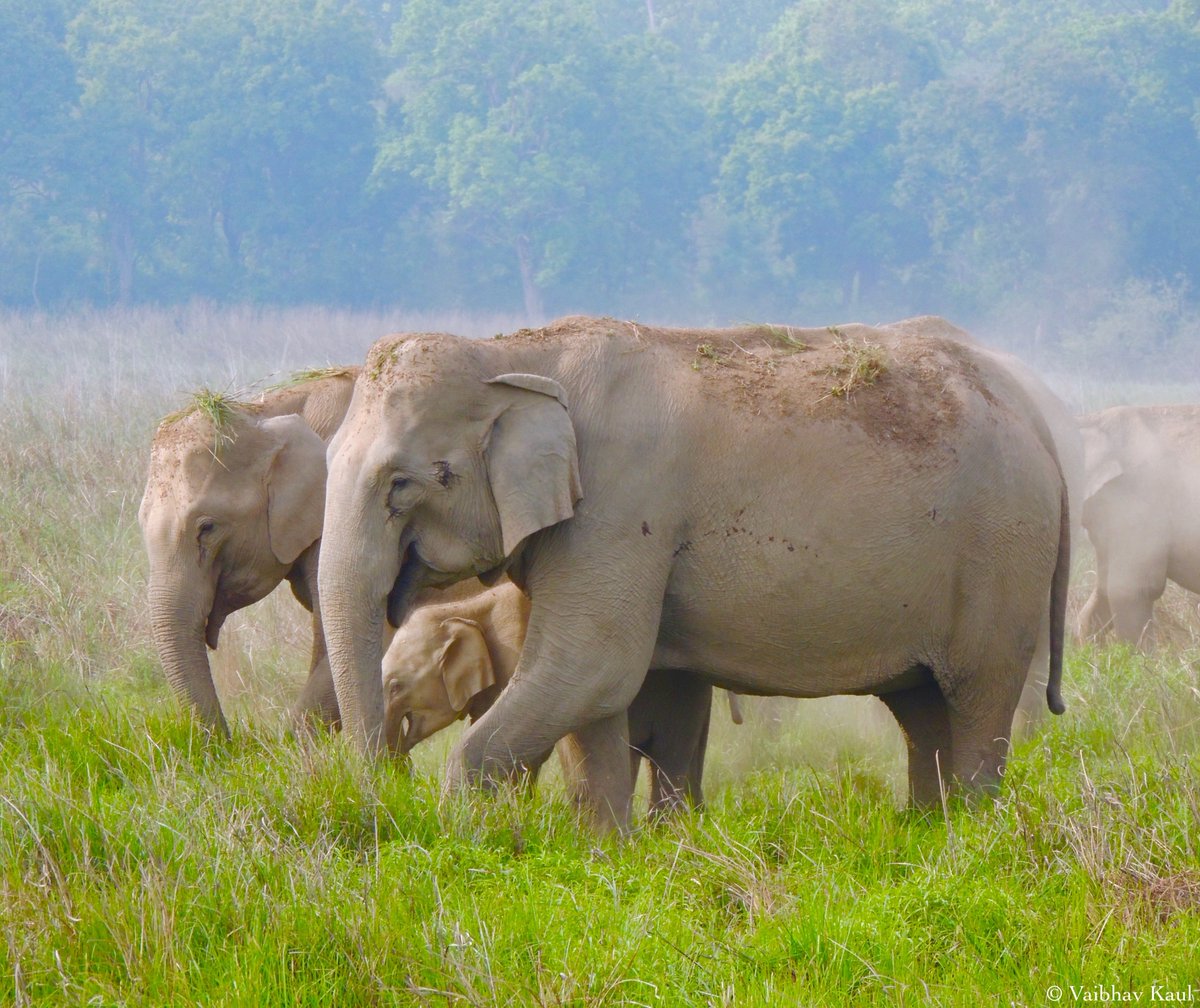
451	660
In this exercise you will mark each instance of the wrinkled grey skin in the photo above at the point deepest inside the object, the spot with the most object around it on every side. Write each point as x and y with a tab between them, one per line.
226	518
1068	445
712	501
452	660
1141	511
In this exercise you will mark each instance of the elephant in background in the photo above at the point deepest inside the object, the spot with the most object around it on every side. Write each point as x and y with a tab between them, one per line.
233	505
801	512
452	660
1141	511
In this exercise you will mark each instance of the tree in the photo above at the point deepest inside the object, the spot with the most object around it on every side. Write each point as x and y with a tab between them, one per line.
807	132
569	152
37	89
1057	157
274	144
234	136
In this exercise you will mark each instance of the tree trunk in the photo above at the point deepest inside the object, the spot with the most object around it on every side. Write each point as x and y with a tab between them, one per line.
534	311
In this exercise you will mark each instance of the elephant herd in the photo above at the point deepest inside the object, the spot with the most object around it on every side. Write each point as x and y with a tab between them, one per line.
571	534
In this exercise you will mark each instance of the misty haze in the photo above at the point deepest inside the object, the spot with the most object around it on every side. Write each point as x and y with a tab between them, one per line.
207	207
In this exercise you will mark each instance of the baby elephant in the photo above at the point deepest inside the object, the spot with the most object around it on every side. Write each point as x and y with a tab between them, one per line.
451	660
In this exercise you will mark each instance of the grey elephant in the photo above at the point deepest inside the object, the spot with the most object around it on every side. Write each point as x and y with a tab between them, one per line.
1140	512
801	512
1068	445
452	660
233	505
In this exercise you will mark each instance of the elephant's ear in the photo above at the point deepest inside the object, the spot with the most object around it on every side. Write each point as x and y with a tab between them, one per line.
295	487
532	463
1101	465
464	662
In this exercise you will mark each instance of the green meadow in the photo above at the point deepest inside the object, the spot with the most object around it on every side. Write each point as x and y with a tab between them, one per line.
142	863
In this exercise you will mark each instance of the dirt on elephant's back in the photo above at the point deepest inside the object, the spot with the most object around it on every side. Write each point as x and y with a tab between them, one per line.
901	389
906	383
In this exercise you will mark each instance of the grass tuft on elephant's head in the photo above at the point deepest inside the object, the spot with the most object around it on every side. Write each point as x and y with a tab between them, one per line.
219	408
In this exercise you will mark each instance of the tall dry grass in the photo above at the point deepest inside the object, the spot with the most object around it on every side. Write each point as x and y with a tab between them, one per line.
80	396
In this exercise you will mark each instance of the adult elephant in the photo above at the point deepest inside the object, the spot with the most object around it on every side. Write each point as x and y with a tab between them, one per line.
780	511
1140	512
233	505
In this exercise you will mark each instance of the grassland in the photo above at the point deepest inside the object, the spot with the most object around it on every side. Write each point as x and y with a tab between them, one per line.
143	864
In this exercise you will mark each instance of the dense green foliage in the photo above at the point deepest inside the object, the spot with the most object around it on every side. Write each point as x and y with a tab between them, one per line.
1029	160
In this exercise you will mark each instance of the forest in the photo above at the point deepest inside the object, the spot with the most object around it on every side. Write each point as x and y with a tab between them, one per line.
1030	167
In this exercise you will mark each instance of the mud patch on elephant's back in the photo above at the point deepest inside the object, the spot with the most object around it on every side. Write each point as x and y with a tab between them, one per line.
914	394
914	398
916	403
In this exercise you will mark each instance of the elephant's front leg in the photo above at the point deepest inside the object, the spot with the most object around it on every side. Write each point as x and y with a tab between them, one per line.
585	657
1135	577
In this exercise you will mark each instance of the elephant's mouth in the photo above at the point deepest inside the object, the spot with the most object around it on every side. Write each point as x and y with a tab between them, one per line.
408	582
402	729
231	594
407	732
212	629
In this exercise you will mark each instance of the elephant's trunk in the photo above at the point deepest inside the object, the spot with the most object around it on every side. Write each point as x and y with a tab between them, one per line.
353	589
179	618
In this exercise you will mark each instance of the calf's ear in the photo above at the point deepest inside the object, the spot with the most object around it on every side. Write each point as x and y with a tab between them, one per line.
464	662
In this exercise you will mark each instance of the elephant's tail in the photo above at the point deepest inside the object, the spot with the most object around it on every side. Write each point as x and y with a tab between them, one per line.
1058	606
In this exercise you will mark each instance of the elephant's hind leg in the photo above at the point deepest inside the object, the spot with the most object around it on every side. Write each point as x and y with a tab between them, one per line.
980	709
924	719
670	717
596	761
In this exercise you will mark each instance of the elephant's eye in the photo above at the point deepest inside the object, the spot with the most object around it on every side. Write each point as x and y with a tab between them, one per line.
402	495
206	526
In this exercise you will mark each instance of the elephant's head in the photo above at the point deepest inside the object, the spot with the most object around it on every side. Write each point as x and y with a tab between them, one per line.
443	467
433	672
232	500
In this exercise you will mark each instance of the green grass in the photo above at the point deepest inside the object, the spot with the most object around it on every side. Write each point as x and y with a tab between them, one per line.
142	863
